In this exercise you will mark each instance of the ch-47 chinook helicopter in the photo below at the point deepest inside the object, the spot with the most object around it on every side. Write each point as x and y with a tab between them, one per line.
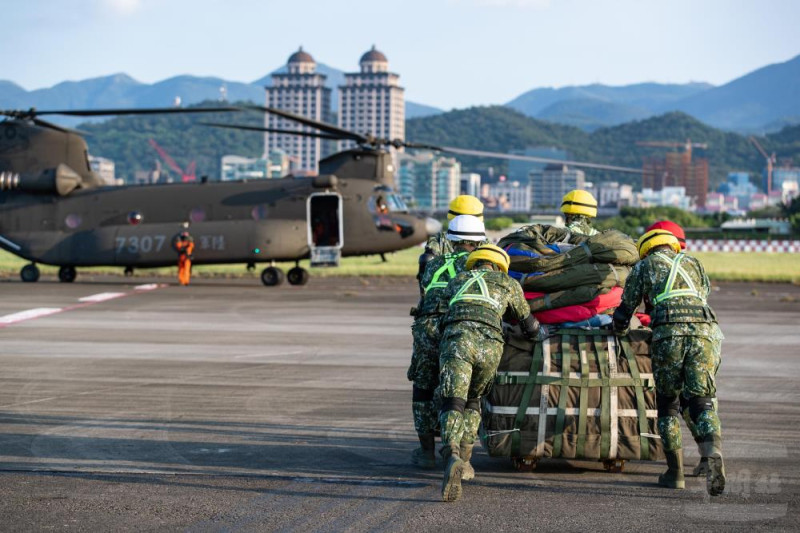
54	210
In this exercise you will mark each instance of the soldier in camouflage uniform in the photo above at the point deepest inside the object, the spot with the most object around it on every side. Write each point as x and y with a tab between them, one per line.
685	350
439	244
702	467
465	232
579	207
471	348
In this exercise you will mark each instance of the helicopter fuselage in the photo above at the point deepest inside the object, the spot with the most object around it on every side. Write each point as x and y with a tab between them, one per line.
230	222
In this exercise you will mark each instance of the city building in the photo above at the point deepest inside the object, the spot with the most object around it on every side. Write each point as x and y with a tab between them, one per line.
301	91
550	184
781	175
521	170
427	181
371	101
666	196
677	169
104	168
717	202
236	167
612	194
739	186
471	184
510	196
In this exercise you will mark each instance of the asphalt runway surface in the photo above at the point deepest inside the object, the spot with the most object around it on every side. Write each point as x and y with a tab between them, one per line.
229	406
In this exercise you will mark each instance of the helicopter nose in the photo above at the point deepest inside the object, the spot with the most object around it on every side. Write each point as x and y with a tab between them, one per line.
432	226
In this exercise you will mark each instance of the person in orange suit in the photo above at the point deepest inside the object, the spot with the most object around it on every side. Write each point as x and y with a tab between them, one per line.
184	245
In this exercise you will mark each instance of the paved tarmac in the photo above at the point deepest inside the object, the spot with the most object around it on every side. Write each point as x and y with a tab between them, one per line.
230	406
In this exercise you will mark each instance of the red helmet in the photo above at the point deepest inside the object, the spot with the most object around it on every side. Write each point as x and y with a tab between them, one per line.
671	227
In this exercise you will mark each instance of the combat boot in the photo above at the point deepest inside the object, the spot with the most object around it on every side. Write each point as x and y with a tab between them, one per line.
701	470
673	477
715	477
453	470
425	456
465	451
712	452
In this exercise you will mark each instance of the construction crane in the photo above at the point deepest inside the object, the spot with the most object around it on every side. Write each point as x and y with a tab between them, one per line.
187	176
770	162
687	146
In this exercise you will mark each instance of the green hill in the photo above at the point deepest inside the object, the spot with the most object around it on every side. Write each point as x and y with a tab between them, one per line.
497	128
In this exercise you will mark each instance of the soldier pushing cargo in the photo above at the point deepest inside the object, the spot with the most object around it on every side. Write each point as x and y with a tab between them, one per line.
471	348
702	467
464	232
439	244
685	350
579	207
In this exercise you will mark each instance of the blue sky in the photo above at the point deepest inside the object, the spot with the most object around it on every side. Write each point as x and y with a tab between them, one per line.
449	53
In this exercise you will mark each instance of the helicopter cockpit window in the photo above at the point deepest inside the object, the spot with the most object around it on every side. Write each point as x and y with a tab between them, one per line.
386	201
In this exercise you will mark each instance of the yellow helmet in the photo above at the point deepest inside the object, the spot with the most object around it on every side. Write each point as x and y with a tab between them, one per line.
491	253
579	202
465	205
654	238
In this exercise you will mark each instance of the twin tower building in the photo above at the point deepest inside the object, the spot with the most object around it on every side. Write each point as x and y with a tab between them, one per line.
370	101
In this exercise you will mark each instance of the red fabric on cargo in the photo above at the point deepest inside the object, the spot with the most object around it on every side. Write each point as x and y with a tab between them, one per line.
644	319
576	313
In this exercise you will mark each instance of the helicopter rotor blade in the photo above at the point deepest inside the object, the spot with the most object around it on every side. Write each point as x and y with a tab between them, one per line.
272	130
498	155
322	126
143	111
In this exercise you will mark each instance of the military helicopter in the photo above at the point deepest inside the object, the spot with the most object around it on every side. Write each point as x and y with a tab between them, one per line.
54	209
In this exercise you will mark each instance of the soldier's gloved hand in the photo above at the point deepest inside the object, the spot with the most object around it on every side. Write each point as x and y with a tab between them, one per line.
621	322
530	327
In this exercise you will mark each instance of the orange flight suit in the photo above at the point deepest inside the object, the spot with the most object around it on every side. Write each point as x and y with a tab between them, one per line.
185	248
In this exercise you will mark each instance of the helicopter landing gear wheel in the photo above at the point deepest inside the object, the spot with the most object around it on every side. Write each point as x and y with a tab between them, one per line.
67	274
29	273
128	272
297	276
272	276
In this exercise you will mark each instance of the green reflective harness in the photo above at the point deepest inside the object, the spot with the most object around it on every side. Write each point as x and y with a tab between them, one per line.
676	270
449	268
477	278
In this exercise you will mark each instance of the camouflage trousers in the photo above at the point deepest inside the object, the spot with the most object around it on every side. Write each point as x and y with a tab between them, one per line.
424	373
686	366
470	355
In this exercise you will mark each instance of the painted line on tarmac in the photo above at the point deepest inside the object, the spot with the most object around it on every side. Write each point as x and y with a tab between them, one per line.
27	315
39	312
102	297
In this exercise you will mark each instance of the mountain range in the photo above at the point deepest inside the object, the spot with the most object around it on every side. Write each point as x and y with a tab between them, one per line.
761	101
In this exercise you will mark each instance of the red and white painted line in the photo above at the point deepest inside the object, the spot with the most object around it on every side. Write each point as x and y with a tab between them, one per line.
39	312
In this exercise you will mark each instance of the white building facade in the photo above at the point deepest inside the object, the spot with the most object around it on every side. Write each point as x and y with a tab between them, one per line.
300	91
371	101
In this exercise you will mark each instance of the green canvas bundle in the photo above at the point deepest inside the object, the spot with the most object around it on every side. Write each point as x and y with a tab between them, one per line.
610	246
536	237
599	275
579	394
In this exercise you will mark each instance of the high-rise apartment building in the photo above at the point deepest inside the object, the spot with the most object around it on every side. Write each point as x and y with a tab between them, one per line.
549	185
372	101
302	91
428	181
